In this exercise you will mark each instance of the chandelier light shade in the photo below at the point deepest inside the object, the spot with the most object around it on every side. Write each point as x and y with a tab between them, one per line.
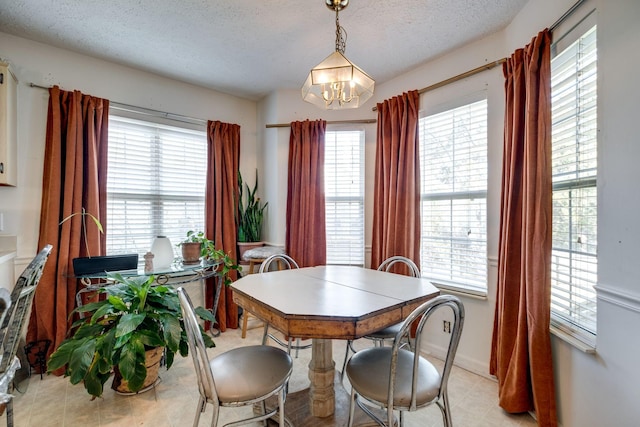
337	83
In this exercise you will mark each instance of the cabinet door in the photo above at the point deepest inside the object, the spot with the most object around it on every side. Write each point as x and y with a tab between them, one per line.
8	126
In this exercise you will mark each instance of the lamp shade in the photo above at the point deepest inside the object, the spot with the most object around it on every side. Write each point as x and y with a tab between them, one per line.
163	252
337	83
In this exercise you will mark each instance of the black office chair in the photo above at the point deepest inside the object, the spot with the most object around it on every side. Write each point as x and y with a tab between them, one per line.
285	262
397	378
14	322
241	376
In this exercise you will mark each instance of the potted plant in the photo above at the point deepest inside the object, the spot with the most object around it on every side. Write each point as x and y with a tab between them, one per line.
120	331
249	216
193	247
206	249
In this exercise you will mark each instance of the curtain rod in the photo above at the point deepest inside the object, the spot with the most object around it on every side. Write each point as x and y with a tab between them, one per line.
458	77
143	110
567	14
329	122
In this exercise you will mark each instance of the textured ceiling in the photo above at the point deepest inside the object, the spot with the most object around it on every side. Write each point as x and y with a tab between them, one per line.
249	48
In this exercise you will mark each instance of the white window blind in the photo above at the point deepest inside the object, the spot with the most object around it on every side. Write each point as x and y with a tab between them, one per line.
344	196
453	168
155	184
574	148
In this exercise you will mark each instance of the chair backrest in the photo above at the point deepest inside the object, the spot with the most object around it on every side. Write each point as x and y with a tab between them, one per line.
198	350
422	314
21	301
5	304
282	259
388	263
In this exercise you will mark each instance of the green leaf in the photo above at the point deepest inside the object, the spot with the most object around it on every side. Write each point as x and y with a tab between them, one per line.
117	303
172	330
61	356
129	322
205	314
131	364
80	360
149	338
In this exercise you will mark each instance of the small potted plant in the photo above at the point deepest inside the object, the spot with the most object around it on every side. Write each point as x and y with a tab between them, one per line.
193	247
133	322
249	216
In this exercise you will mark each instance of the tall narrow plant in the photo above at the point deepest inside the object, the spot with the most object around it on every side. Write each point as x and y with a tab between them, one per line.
250	212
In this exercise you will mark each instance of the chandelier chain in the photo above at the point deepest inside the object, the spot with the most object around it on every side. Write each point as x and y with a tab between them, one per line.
341	35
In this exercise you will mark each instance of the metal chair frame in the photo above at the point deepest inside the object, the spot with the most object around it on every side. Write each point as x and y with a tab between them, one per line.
386	266
16	318
206	383
290	263
423	313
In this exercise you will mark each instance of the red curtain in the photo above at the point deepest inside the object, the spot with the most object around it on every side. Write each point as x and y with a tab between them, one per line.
75	177
521	347
396	197
306	239
223	140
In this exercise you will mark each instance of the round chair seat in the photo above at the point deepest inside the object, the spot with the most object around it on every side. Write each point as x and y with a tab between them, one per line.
247	373
387	333
368	372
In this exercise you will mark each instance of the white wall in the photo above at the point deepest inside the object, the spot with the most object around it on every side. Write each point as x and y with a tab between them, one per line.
592	390
45	65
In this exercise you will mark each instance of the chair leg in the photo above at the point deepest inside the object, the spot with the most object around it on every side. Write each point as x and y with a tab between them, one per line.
199	411
245	318
352	407
443	404
9	409
346	359
265	334
281	406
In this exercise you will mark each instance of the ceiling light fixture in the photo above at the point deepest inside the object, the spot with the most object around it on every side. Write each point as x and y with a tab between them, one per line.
336	83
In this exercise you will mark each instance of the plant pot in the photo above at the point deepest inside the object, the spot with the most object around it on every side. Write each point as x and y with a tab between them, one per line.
152	363
245	246
191	252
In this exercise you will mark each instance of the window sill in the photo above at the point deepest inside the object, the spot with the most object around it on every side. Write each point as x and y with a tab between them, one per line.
460	290
573	341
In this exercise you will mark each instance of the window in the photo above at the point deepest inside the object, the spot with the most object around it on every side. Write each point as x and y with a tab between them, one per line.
453	168
344	196
574	147
155	184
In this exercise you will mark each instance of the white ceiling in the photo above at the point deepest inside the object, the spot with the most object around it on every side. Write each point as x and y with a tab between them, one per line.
249	48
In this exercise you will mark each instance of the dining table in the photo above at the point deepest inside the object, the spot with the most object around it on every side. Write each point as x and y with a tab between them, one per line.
329	302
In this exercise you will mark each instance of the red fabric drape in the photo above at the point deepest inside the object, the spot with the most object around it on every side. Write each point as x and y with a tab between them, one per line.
75	177
306	239
396	197
521	347
223	141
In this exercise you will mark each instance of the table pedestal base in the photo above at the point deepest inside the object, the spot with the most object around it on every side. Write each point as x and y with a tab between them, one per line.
297	410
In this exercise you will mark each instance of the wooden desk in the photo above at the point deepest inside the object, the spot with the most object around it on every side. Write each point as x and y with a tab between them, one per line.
329	302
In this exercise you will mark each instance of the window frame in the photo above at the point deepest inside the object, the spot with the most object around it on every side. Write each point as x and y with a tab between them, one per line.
452	284
568	326
358	238
153	197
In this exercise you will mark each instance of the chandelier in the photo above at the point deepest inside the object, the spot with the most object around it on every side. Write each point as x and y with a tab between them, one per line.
336	83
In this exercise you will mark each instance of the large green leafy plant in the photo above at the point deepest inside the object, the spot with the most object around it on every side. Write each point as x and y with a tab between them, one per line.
116	331
250	212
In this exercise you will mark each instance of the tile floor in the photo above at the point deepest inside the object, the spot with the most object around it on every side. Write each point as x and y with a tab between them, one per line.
53	401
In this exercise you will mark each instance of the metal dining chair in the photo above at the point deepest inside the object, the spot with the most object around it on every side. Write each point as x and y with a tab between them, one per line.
388	333
404	380
14	322
239	377
285	262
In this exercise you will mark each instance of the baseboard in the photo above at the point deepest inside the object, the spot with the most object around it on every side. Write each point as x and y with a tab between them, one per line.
467	363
